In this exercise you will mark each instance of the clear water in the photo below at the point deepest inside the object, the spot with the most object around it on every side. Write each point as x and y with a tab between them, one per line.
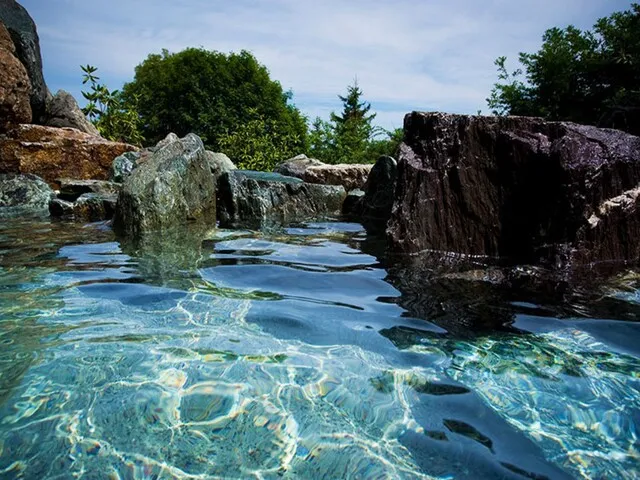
293	355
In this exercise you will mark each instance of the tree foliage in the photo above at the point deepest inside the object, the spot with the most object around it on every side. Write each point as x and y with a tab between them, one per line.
215	95
351	137
114	118
589	77
258	144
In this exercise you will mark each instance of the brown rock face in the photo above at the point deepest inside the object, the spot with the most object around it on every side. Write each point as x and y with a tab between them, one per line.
15	86
53	153
515	187
350	176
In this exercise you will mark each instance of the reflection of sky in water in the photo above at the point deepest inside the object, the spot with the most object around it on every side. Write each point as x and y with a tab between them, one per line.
286	355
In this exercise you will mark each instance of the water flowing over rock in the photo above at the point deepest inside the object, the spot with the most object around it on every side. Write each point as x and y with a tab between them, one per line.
15	87
250	199
63	111
53	153
173	186
297	166
515	187
350	176
23	194
23	31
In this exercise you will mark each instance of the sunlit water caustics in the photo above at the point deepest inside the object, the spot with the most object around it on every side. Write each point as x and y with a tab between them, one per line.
291	355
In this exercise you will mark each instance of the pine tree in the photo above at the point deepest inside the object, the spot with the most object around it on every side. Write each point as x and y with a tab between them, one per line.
352	129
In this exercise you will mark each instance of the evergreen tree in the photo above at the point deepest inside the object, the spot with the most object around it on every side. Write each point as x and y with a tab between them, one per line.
353	129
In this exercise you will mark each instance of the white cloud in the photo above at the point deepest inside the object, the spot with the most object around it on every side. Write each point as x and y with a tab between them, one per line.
406	54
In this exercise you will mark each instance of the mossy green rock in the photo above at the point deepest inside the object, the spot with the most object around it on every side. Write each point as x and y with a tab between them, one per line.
173	186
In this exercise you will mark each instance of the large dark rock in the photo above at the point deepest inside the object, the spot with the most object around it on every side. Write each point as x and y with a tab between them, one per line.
375	207
63	111
515	187
173	186
250	199
15	87
25	37
23	194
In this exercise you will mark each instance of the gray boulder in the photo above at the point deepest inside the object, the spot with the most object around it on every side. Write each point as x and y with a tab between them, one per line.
170	138
23	194
63	111
219	163
25	37
173	186
297	166
256	200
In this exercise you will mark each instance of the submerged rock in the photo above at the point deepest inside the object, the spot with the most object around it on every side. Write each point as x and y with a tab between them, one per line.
63	111
173	186
250	199
15	87
23	31
522	188
53	153
23	194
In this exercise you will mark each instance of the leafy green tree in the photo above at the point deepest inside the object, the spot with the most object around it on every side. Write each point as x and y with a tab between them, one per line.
115	119
258	145
322	141
214	95
589	77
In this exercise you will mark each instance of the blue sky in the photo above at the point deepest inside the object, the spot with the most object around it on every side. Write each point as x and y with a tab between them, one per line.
434	55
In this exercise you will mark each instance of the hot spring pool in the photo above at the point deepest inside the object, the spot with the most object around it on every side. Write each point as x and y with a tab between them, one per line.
290	355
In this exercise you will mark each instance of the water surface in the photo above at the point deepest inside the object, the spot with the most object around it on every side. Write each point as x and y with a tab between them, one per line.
298	355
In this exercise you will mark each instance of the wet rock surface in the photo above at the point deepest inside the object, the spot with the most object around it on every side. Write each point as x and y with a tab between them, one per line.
23	195
172	187
515	187
53	153
250	199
